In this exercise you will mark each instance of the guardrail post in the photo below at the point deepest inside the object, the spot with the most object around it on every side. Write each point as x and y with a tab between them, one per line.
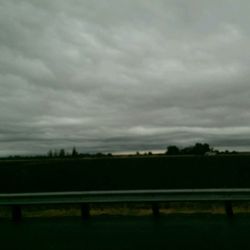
155	209
85	211
16	213
229	209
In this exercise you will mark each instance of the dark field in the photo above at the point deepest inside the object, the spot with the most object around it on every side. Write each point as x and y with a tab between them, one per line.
120	233
125	173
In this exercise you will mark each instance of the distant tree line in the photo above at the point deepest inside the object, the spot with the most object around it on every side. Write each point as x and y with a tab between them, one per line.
62	153
197	149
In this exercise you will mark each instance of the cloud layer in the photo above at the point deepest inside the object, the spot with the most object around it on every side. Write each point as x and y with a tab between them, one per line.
123	75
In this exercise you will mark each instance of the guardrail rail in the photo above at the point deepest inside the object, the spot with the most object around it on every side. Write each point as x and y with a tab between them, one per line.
17	200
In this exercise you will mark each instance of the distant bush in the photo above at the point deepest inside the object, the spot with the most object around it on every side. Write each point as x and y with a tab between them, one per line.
173	150
197	149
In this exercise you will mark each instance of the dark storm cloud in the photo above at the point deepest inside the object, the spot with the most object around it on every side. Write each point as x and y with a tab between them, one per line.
123	75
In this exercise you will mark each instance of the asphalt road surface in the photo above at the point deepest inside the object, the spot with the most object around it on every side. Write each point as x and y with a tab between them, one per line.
120	232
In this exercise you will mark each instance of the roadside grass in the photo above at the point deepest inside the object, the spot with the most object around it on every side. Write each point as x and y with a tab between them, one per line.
49	211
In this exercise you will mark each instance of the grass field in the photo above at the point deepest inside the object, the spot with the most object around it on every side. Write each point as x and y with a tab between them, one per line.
136	210
124	173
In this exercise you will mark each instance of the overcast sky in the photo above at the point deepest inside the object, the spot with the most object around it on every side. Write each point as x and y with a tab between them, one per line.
123	75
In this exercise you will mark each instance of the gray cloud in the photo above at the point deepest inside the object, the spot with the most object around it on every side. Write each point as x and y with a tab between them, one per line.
123	75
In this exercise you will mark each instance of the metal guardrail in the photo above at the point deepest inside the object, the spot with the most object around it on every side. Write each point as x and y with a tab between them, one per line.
152	196
125	196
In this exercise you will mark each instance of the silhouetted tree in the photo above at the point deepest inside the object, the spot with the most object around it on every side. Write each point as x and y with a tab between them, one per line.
100	154
187	150
55	154
201	149
74	152
197	149
173	150
50	154
62	153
